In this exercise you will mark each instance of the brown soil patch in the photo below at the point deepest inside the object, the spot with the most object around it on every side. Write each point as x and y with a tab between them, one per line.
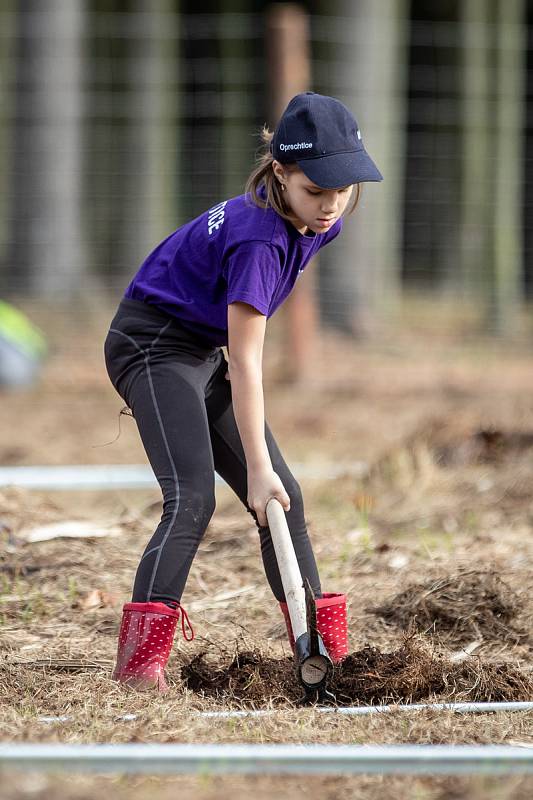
369	676
413	672
249	676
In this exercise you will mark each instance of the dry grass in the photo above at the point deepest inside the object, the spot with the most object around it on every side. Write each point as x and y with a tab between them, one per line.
439	532
471	604
266	788
411	673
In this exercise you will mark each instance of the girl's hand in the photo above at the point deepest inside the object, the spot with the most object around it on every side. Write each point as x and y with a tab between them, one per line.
262	486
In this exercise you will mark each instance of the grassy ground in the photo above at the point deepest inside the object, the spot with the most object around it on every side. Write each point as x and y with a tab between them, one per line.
431	533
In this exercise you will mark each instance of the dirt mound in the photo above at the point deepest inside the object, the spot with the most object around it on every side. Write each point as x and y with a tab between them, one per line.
478	682
483	446
370	676
411	673
248	676
461	607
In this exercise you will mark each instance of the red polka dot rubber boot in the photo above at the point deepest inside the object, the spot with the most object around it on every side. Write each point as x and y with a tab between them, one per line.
144	643
331	623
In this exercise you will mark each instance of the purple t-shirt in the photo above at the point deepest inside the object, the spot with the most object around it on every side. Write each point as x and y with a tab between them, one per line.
234	251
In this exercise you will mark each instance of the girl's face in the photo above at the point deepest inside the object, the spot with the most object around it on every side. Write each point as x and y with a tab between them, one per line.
314	208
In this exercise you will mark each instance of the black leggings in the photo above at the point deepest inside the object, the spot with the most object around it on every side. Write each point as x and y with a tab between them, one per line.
176	388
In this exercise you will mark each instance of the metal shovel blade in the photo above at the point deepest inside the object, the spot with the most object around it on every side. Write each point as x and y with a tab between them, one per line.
314	663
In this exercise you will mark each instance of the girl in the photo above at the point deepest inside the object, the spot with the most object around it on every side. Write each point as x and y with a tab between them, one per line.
214	282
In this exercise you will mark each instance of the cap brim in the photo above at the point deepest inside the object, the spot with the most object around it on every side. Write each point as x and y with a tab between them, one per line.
341	169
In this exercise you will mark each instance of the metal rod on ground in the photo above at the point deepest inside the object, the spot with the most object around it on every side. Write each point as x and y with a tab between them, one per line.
458	708
134	476
216	759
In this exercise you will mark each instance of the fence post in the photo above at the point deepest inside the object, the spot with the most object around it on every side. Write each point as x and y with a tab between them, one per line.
289	74
364	282
507	286
150	147
47	245
477	195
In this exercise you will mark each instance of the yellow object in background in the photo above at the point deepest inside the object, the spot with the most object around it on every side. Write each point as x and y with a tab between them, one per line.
17	329
22	348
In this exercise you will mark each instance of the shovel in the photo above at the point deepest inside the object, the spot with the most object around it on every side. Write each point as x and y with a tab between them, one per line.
313	664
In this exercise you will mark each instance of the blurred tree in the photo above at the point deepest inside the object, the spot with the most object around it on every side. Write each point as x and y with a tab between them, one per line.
528	160
150	145
507	278
494	48
477	156
362	280
7	41
288	54
47	253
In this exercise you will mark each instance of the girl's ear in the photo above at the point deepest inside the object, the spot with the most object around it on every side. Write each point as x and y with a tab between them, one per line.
278	170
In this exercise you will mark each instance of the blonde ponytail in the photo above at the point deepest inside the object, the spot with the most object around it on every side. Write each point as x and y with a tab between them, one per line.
263	176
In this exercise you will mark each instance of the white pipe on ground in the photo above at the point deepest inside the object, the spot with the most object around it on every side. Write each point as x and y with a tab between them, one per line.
134	476
459	708
278	759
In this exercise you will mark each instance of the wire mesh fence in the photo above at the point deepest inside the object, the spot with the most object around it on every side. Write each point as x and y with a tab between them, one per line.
120	121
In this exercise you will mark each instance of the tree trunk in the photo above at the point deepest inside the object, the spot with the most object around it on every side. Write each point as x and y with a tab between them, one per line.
507	285
289	63
477	173
47	247
370	72
150	198
7	41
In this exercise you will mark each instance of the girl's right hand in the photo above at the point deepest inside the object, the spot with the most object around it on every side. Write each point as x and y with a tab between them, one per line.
263	485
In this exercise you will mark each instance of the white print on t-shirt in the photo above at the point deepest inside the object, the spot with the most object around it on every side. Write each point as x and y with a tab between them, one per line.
215	217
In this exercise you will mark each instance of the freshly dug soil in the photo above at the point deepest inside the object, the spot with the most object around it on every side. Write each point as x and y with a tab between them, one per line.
407	674
248	676
368	676
460	607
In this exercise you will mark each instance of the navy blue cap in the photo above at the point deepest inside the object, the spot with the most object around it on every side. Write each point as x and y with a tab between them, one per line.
321	135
